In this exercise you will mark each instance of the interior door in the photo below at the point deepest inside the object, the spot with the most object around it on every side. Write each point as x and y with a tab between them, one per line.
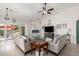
77	31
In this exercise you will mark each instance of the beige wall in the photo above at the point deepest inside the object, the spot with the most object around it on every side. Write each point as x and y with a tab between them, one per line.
69	16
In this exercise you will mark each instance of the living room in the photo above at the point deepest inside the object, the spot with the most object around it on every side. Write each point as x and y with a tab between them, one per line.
39	29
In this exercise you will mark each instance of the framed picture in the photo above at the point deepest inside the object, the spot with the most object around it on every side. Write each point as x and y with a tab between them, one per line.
64	25
58	26
43	27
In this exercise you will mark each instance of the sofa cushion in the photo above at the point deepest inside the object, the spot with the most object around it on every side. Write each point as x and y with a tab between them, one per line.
56	38
48	39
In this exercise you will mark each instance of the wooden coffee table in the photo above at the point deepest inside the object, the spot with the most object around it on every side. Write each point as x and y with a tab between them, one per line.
39	44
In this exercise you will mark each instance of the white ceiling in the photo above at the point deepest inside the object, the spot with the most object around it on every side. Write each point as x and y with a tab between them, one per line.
28	11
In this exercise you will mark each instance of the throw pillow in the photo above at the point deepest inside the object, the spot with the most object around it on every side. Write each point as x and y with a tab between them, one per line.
48	39
56	39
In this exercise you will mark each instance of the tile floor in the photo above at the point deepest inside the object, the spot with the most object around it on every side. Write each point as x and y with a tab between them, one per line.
8	48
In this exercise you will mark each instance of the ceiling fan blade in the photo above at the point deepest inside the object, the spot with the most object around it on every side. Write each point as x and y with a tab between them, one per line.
42	13
39	11
51	9
49	12
44	8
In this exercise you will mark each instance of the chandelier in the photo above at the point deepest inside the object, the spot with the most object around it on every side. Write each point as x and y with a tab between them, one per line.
7	17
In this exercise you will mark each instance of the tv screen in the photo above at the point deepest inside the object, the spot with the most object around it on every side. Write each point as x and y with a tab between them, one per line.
35	31
49	29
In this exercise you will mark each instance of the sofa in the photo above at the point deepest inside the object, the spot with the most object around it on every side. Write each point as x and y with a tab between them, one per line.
23	43
57	44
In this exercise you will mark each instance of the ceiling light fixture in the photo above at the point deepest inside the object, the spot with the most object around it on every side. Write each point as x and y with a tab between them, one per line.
45	11
6	16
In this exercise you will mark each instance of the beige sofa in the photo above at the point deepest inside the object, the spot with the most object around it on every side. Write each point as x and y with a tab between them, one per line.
23	43
57	45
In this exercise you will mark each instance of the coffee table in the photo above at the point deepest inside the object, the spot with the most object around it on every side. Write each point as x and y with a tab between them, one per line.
39	44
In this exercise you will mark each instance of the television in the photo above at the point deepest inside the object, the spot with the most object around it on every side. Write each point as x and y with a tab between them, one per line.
35	31
49	29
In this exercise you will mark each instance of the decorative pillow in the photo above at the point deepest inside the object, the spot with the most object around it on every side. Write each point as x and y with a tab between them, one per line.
24	37
48	39
56	39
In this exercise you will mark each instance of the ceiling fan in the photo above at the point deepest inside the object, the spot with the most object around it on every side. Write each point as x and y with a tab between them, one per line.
45	10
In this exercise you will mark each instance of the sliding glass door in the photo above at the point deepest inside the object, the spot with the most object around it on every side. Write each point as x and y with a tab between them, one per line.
8	30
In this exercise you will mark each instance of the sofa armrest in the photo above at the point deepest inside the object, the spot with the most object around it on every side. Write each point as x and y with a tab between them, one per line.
63	37
57	46
61	42
27	46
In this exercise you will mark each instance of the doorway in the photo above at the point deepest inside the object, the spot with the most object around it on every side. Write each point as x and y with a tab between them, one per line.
77	31
23	30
